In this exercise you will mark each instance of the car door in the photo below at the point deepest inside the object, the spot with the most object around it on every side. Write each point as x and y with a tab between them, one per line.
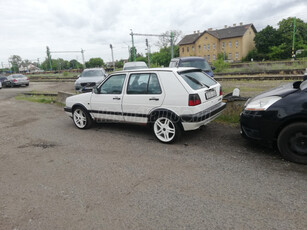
106	102
143	94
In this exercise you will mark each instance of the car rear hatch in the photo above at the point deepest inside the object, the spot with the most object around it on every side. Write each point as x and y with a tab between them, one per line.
205	92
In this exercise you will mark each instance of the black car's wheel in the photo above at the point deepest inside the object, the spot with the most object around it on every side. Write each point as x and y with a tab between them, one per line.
166	129
81	118
292	142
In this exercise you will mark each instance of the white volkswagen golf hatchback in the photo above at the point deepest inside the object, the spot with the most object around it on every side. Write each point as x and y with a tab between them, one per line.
170	100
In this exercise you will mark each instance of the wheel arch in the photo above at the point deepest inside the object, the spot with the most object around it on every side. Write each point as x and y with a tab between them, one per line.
164	112
83	107
295	119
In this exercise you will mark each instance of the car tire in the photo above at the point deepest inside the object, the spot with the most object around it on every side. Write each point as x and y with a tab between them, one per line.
166	129
292	142
27	84
82	118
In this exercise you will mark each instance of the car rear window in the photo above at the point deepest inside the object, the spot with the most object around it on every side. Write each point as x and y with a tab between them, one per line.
197	79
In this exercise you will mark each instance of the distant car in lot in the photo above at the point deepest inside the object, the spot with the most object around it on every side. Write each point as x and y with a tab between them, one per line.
168	99
2	79
90	78
135	65
279	116
16	80
197	62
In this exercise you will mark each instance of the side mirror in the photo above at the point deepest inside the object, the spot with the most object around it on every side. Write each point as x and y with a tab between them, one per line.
212	67
78	76
95	90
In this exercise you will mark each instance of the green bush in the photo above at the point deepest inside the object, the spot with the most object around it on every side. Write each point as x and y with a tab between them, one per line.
220	64
65	74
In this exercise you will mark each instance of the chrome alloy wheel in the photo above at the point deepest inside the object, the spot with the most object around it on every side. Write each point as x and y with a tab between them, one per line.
164	129
80	118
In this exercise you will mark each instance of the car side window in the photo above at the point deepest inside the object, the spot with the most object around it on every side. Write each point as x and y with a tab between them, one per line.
154	85
145	83
113	85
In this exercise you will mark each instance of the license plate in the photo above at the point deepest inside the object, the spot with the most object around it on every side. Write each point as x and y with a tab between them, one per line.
210	94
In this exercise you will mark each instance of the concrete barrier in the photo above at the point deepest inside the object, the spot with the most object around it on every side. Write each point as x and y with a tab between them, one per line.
62	96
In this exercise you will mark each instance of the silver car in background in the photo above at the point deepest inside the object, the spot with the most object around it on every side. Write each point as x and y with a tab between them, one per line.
16	80
135	65
89	79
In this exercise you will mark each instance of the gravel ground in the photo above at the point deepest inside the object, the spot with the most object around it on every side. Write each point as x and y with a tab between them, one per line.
115	176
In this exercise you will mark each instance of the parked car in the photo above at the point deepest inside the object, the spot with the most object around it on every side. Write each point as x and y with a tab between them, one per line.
89	79
135	65
197	62
168	99
16	80
279	116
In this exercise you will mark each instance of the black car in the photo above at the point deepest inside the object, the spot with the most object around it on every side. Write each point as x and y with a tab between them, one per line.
279	116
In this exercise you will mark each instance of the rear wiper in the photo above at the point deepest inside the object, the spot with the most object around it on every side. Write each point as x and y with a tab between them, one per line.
196	81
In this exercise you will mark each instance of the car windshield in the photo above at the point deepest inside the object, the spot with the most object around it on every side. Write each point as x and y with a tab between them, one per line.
92	73
200	64
17	76
197	80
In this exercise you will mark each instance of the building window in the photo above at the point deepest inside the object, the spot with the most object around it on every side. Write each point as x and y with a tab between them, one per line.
223	45
237	55
237	44
199	47
193	48
213	46
229	44
205	47
208	57
206	38
213	57
188	50
208	46
182	49
229	56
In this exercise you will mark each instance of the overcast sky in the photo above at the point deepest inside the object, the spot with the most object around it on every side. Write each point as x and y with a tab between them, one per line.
28	26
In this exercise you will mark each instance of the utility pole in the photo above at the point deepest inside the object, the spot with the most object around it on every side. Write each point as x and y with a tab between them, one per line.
293	37
148	52
82	52
112	57
153	35
133	48
172	45
49	58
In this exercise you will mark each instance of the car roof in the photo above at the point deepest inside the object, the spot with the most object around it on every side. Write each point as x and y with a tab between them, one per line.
167	69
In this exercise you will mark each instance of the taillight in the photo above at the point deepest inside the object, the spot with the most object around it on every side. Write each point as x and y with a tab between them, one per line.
27	79
194	99
221	91
14	80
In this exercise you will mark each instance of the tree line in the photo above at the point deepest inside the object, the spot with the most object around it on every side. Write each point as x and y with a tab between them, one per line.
276	44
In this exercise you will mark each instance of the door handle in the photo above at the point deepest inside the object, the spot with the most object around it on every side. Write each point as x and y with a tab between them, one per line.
154	99
116	98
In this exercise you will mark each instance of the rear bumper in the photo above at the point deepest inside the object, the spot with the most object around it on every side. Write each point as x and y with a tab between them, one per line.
194	121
